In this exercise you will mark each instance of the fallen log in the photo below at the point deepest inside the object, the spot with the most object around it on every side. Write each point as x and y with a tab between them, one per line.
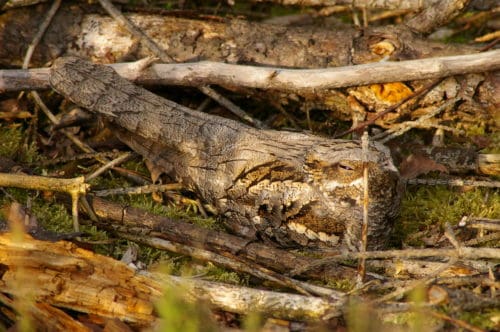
287	187
131	222
63	275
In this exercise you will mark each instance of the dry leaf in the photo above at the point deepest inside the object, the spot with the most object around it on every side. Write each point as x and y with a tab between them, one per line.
417	164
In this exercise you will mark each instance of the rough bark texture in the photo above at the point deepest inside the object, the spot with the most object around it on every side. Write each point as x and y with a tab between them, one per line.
288	187
81	30
118	218
65	276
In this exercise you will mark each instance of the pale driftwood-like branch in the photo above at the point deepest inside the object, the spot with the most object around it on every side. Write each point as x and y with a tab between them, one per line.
70	186
245	300
208	72
75	187
462	252
231	263
83	284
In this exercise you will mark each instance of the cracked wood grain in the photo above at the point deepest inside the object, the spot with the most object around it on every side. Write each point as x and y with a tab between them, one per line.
290	188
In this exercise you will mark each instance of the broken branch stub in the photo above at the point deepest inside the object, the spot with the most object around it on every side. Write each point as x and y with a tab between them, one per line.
292	188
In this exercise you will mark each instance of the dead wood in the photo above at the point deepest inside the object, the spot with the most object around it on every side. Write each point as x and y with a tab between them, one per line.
436	15
282	79
66	276
63	275
76	29
432	14
134	221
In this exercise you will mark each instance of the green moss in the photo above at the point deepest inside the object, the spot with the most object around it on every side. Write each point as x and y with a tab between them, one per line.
345	285
487	319
220	274
427	206
12	138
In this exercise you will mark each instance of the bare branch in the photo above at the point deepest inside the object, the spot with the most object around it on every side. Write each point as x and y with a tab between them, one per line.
208	72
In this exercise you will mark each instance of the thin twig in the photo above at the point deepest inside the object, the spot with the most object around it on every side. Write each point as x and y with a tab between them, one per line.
153	46
400	129
80	156
111	164
482	223
235	109
455	182
41	31
364	226
416	283
457	322
147	189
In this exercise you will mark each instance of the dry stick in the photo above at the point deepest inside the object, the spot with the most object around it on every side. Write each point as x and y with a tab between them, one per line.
400	291
148	189
454	321
364	227
244	300
84	147
232	263
486	238
455	182
293	80
210	72
482	223
235	109
401	128
111	164
74	187
464	252
417	283
117	15
80	156
43	27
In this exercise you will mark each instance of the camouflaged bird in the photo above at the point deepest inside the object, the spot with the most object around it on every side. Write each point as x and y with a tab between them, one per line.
287	187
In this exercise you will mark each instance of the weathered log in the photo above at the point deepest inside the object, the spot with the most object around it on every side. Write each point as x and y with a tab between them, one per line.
292	188
61	274
115	217
79	29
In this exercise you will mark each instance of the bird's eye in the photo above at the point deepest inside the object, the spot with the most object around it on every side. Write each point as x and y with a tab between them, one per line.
345	167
